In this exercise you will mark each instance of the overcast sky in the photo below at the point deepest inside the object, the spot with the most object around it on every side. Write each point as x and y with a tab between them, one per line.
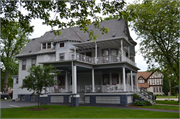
40	29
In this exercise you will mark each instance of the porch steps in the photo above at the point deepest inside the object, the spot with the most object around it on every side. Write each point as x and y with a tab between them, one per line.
145	98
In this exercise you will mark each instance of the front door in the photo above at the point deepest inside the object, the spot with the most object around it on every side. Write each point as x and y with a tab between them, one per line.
61	81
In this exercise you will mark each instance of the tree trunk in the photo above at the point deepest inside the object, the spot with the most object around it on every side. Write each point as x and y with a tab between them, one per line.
38	100
6	81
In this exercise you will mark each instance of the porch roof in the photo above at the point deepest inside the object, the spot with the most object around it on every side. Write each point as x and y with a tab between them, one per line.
106	42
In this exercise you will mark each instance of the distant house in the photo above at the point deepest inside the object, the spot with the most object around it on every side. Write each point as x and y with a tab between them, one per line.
100	72
151	81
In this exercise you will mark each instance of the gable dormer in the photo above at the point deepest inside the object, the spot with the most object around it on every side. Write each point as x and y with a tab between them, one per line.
46	45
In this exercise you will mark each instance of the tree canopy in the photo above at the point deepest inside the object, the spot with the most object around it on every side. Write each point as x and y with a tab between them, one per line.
39	78
15	25
156	24
13	38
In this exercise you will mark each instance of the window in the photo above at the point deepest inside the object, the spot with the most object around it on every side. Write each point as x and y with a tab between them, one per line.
17	80
154	90
152	81
61	56
44	45
22	97
33	62
61	45
105	79
49	45
23	64
105	52
32	97
157	81
115	79
159	89
141	81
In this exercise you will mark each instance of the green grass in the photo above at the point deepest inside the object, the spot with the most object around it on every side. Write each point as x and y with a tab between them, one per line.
57	111
167	97
164	107
167	102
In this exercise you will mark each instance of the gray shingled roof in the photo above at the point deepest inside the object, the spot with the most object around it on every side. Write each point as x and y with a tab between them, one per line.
116	27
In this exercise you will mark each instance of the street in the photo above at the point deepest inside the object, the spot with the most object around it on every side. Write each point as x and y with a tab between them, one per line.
11	104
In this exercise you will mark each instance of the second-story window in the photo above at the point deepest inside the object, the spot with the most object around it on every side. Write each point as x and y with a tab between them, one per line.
48	45
61	45
61	56
44	45
17	80
33	62
23	64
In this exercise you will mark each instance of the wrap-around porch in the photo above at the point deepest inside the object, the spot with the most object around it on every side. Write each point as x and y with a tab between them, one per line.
81	78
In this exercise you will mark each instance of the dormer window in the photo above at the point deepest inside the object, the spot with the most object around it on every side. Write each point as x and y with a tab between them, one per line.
44	45
61	45
49	45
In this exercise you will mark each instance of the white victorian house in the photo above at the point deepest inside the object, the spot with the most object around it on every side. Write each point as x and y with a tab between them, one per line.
100	72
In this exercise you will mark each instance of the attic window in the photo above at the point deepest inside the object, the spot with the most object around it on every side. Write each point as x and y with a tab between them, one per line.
113	35
29	51
44	45
49	45
61	45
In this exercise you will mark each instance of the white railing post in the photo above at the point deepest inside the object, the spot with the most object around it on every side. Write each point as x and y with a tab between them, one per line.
66	81
75	53
124	84
132	81
92	80
121	50
95	53
74	83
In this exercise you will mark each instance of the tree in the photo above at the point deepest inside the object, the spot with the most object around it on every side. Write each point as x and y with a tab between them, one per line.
156	24
13	38
12	14
39	78
165	86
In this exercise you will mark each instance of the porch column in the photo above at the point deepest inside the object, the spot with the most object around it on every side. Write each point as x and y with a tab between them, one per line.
92	80
124	83
74	82
66	81
129	52
95	53
75	53
121	50
137	82
132	81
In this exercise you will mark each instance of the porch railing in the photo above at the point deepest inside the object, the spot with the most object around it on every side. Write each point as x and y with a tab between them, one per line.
100	60
57	89
108	59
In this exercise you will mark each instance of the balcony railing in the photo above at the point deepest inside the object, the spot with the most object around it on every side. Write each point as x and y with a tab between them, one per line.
101	60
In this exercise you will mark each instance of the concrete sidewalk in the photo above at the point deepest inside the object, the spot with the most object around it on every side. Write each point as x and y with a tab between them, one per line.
175	99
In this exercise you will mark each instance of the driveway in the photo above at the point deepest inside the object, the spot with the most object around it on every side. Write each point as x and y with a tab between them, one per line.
11	104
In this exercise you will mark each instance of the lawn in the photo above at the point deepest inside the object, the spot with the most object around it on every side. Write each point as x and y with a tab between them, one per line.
57	111
167	102
161	107
166	96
